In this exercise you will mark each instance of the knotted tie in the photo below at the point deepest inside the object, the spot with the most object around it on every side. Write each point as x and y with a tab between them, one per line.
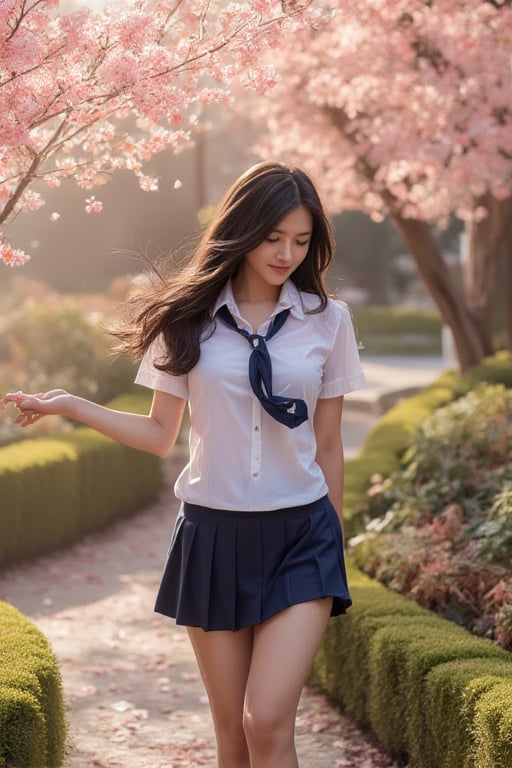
291	412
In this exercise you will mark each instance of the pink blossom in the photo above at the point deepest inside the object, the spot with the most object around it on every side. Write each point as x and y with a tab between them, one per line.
148	184
405	80
32	201
92	205
70	81
12	257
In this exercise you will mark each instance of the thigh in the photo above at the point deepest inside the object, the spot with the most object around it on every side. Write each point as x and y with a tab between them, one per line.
224	660
283	652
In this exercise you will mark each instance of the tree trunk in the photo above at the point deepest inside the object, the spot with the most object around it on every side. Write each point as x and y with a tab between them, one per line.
469	323
508	288
434	273
480	267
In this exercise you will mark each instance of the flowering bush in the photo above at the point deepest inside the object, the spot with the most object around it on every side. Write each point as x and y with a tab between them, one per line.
441	531
57	341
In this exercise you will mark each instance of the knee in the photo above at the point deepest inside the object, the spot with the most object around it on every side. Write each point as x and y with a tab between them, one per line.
265	728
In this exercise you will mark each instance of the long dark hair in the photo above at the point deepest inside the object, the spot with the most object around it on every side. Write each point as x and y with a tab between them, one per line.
181	306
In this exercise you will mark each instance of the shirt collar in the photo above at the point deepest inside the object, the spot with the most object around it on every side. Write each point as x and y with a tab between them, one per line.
289	298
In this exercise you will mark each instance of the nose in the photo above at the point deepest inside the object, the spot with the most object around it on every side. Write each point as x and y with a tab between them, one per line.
285	252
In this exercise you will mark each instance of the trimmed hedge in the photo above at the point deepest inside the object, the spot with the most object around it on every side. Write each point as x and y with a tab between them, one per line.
398	330
54	490
434	694
465	681
32	722
397	321
493	720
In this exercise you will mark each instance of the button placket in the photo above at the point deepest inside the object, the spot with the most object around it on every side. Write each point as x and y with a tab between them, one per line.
256	438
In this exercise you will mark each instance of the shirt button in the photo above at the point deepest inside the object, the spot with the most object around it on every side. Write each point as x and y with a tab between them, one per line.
256	429
255	474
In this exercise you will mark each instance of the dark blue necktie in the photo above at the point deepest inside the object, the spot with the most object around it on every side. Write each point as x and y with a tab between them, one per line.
290	411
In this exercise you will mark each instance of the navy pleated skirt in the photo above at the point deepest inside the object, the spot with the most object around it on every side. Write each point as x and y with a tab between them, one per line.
227	570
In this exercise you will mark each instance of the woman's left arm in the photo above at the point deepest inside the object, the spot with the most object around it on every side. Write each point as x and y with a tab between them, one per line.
329	452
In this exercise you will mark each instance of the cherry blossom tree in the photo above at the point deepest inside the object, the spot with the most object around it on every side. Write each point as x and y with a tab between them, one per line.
84	94
402	108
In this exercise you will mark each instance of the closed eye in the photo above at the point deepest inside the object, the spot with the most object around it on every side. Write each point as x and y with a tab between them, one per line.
299	242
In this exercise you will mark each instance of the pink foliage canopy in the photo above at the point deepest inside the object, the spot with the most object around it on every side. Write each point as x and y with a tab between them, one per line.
406	102
85	93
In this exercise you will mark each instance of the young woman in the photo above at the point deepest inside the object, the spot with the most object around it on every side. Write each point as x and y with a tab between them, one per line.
247	336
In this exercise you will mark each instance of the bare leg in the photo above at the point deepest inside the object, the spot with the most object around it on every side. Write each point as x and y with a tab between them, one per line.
224	659
283	652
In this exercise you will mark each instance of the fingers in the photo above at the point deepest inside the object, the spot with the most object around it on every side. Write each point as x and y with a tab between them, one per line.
11	397
26	402
27	405
23	400
31	408
19	396
27	418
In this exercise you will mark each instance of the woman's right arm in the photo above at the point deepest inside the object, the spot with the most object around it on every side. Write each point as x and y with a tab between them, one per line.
156	433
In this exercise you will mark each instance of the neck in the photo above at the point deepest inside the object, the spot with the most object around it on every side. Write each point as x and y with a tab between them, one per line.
249	292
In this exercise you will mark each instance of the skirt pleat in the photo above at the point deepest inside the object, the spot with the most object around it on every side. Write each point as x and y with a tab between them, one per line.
227	570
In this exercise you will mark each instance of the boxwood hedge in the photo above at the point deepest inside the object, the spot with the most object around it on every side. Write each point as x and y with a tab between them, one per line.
32	721
435	695
53	491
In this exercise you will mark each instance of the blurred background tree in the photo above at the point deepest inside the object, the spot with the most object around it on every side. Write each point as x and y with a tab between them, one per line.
402	109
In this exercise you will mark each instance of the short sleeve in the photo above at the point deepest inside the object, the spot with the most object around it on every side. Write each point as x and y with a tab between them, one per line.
152	377
342	369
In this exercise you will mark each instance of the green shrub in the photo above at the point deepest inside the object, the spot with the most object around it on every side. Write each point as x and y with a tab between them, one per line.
402	658
464	681
54	490
32	721
388	441
58	342
424	684
398	330
415	679
341	666
44	345
496	369
396	321
386	444
457	454
493	721
444	535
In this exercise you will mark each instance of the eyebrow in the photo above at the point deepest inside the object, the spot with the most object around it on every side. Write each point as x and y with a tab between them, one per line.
299	234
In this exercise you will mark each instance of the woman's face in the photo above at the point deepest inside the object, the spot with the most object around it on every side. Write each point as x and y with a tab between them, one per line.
273	261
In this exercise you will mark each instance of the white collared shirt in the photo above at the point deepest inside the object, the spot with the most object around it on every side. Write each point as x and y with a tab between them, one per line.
240	457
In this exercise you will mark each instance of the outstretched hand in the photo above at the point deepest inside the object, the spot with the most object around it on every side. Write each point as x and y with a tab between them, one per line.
31	408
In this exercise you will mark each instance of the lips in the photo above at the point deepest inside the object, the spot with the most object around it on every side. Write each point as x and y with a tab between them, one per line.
280	270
